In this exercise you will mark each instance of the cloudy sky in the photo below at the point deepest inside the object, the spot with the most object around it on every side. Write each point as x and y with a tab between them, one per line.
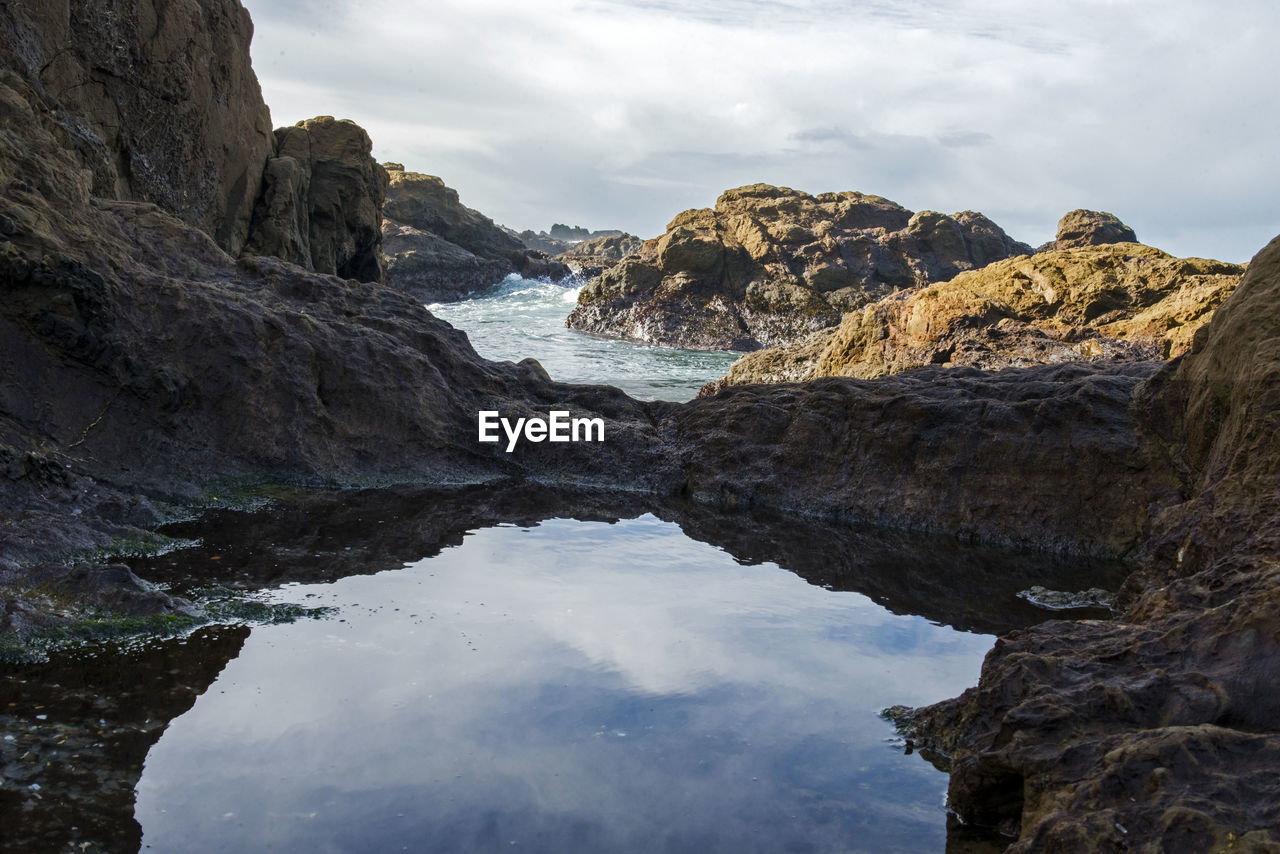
622	113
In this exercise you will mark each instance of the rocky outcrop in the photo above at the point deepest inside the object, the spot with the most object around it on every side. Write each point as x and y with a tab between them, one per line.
769	265
321	202
1116	302
562	238
590	258
1089	228
155	99
439	249
1156	731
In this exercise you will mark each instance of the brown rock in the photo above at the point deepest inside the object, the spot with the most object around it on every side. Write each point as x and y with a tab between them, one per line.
1122	301
592	257
772	265
321	201
1089	228
128	89
439	249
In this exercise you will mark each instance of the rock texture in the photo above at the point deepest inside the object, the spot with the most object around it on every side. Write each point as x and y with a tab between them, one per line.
439	249
1160	730
1116	302
321	201
590	258
769	265
156	99
1089	228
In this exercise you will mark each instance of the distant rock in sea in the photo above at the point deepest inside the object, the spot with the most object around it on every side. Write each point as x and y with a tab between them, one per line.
770	265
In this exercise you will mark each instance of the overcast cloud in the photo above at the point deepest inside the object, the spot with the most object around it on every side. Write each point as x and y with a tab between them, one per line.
622	113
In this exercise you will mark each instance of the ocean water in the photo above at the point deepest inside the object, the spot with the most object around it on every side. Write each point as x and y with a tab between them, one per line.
521	318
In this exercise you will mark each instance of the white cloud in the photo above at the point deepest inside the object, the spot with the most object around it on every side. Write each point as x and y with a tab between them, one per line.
621	113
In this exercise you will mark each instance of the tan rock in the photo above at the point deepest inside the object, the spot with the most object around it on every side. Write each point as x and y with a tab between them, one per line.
769	265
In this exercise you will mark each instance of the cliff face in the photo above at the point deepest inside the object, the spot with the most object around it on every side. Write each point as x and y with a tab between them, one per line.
439	249
1120	301
769	265
156	99
321	201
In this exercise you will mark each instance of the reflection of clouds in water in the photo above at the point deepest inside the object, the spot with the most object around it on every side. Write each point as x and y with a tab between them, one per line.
573	675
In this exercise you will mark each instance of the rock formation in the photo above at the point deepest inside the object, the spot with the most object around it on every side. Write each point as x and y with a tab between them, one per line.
590	258
439	249
321	202
142	363
1089	228
1159	730
769	265
157	100
1115	302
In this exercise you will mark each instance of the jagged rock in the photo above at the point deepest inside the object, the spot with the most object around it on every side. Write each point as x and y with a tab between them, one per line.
1157	731
592	257
127	89
321	201
439	249
1122	301
1089	228
770	265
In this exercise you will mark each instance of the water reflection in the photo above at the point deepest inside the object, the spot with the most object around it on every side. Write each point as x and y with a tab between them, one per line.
630	682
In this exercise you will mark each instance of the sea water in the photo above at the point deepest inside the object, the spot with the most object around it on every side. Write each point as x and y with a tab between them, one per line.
521	318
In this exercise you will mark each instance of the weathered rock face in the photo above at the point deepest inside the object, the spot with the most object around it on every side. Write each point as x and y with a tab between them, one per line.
1089	228
156	99
439	249
1117	302
321	202
768	265
590	258
1157	730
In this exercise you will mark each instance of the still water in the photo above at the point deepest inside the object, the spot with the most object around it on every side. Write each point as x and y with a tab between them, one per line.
521	318
517	668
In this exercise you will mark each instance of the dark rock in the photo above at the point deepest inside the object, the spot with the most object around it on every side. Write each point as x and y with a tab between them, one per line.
321	201
439	249
771	265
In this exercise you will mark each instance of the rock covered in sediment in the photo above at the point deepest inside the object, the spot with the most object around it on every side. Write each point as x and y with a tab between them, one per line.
1160	730
769	265
321	201
439	249
1082	227
128	91
1116	302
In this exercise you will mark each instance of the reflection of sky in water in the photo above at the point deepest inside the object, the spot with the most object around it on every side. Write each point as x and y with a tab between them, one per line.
571	687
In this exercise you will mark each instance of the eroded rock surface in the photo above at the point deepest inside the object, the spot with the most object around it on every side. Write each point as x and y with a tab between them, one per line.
1158	731
321	201
1089	228
1121	301
439	249
590	258
769	265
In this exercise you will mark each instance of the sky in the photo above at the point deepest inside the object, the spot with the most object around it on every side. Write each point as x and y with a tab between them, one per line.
622	113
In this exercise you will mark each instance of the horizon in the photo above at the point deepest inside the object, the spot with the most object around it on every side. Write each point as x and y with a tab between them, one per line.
620	114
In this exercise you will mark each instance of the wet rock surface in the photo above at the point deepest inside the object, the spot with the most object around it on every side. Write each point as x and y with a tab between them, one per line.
439	249
1120	302
769	265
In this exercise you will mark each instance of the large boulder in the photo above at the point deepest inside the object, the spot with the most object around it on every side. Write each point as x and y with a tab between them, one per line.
769	265
1089	228
1116	302
321	202
439	249
156	99
593	256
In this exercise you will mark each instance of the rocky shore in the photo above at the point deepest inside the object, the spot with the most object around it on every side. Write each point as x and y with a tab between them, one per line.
155	352
769	265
